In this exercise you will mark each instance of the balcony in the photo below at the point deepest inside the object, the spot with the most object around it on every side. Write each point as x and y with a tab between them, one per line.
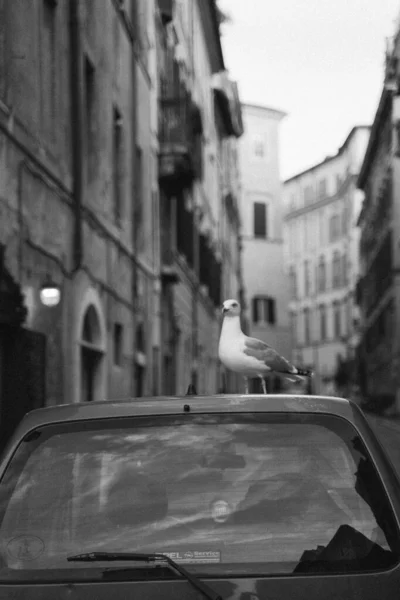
169	271
180	157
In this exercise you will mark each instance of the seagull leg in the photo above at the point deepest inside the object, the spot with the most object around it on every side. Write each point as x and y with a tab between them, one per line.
264	387
246	385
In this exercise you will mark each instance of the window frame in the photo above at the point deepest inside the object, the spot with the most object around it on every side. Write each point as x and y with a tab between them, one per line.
264	310
117	164
260	221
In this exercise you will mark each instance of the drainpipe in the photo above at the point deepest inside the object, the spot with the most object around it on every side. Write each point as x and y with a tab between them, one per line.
76	91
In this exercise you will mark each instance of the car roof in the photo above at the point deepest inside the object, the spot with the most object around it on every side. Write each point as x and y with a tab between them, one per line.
172	405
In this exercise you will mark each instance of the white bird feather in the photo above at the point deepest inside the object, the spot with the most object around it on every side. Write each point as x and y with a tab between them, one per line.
246	355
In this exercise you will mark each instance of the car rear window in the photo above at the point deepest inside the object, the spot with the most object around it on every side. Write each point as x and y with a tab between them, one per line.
265	493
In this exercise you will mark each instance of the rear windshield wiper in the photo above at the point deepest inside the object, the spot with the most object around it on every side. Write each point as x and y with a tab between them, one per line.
207	591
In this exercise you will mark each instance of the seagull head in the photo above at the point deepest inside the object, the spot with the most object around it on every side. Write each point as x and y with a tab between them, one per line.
231	308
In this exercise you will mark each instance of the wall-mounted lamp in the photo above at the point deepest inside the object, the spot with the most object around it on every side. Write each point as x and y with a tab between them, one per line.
50	293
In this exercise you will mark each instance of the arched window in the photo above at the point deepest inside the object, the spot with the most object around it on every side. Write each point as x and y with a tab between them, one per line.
91	356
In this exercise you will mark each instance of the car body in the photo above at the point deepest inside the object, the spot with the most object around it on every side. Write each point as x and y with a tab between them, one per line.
272	496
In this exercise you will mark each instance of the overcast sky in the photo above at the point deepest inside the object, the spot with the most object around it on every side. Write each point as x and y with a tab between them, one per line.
321	61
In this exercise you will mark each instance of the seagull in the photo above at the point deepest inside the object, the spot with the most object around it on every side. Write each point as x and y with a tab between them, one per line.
247	355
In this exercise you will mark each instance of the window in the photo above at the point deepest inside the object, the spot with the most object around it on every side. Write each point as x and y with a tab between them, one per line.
117	164
346	218
155	225
336	270
322	227
334	228
337	320
322	322
48	67
260	219
349	314
307	281
138	217
345	270
293	283
307	336
308	195
90	118
259	147
321	274
322	189
128	479
344	318
264	310
118	344
91	355
293	327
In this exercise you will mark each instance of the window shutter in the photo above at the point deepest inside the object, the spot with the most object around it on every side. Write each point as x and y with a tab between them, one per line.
265	310
255	310
271	311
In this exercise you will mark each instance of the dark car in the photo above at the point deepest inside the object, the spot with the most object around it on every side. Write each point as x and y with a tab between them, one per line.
240	497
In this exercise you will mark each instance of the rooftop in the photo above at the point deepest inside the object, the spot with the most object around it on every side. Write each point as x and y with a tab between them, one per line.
262	108
327	159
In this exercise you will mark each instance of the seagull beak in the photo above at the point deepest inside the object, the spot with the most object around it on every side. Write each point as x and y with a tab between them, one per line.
224	310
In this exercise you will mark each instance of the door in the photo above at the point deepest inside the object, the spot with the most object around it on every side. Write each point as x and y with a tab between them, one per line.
22	376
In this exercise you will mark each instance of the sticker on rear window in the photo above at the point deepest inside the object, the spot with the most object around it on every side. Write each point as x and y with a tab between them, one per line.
25	547
197	556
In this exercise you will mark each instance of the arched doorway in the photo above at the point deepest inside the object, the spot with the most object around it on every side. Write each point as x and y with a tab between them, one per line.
92	356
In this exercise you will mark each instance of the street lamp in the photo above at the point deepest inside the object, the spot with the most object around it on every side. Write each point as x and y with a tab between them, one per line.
50	293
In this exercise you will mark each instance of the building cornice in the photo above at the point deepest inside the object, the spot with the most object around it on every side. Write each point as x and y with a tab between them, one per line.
280	114
323	202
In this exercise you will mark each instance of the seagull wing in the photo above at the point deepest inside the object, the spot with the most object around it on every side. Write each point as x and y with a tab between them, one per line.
261	351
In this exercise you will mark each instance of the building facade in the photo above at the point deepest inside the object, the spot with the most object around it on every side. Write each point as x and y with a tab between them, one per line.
146	214
118	187
322	205
379	222
199	122
262	238
78	163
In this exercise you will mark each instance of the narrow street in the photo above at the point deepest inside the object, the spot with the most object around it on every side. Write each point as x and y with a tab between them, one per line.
388	432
